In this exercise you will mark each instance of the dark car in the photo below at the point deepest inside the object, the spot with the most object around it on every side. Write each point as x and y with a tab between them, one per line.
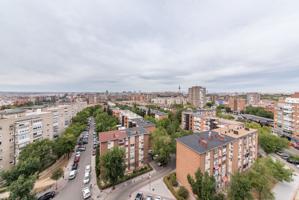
139	196
293	161
77	159
48	195
75	166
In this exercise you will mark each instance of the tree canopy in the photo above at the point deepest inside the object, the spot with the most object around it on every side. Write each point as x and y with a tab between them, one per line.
258	111
112	165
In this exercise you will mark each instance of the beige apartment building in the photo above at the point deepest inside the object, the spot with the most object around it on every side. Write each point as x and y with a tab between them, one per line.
20	127
219	152
199	120
286	116
253	98
197	96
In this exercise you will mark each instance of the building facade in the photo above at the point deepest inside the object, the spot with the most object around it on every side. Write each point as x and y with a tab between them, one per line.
286	116
135	141
20	127
220	152
253	98
197	96
236	104
199	120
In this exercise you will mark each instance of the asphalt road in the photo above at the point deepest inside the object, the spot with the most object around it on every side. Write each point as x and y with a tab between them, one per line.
73	189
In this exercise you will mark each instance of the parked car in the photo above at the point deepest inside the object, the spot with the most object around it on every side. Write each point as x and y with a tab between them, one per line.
139	196
72	174
157	198
94	152
86	193
82	148
77	159
75	166
47	196
86	178
283	155
149	197
293	161
87	168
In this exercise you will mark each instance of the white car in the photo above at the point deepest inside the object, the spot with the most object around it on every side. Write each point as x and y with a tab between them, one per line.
157	198
86	193
86	178
87	168
72	174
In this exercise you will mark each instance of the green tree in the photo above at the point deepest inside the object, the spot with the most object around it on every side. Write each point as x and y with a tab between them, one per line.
240	187
204	186
21	188
183	192
57	174
161	145
258	111
260	177
268	141
113	165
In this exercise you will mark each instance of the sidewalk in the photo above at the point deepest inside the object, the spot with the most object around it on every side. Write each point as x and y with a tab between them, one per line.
61	183
103	194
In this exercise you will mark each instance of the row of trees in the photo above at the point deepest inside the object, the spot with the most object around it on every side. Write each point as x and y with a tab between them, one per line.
258	180
39	155
269	142
255	182
258	111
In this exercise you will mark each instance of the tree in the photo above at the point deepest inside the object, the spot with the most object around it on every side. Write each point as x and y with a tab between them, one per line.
269	142
183	192
161	145
21	188
260	177
204	186
258	111
240	187
113	165
57	174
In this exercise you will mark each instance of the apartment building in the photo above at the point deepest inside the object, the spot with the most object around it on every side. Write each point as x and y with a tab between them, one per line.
197	96
168	101
20	127
236	104
219	152
199	120
286	116
253	98
134	140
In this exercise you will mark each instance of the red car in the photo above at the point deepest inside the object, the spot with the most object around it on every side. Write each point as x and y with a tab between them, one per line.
77	159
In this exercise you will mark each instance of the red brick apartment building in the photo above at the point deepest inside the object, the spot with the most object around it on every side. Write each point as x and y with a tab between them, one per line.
236	104
220	152
135	141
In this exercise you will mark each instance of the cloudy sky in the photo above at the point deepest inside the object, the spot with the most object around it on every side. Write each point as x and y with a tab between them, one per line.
149	45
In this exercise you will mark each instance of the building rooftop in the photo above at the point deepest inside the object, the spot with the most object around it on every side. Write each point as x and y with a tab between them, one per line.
112	135
143	123
12	111
205	141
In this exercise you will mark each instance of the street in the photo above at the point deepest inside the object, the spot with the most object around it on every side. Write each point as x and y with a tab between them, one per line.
73	189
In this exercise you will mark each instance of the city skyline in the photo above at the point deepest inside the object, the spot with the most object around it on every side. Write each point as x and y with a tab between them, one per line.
150	46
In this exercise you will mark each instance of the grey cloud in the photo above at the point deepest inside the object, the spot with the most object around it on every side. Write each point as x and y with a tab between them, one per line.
148	45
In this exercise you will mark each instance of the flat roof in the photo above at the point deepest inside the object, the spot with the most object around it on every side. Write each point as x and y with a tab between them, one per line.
212	139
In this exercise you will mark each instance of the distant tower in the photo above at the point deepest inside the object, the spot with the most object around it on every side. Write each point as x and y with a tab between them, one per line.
179	89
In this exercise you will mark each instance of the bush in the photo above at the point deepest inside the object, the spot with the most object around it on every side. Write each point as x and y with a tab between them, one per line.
172	179
183	192
57	174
